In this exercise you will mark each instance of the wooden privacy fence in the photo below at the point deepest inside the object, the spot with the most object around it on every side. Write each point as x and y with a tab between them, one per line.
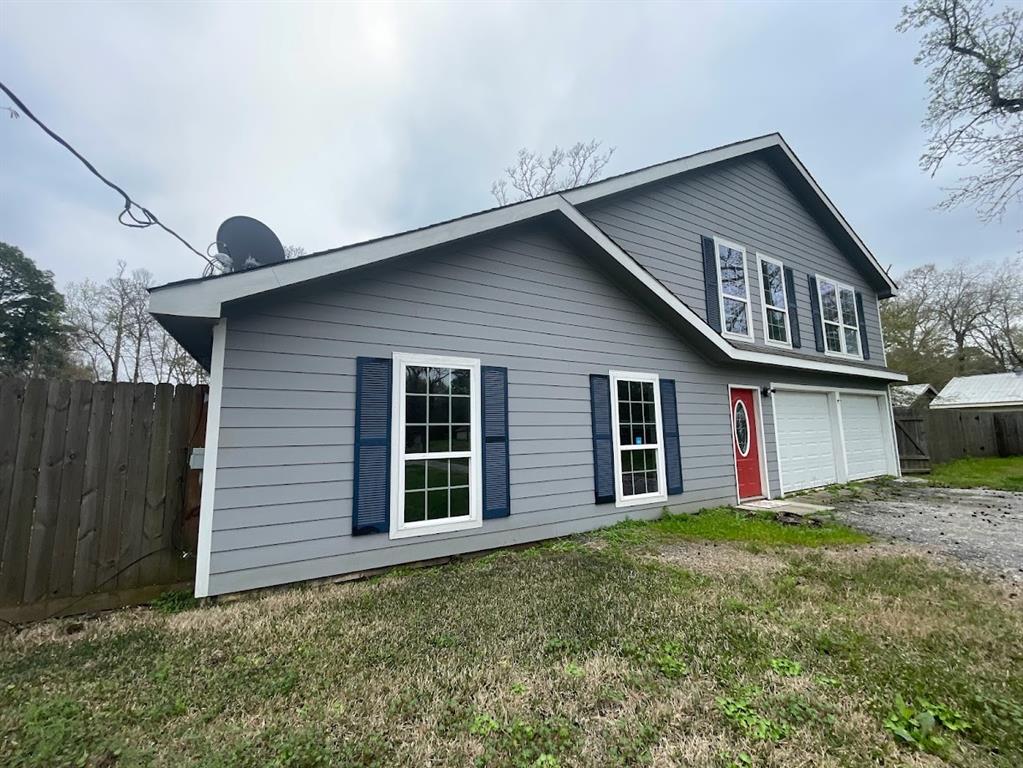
97	503
928	436
953	434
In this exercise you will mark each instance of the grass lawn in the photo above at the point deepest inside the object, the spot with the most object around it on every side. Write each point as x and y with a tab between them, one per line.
707	640
998	473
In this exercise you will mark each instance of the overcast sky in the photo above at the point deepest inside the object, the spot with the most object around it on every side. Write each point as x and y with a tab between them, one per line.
334	123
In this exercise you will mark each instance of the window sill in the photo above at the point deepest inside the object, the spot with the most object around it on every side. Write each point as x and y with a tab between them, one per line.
779	344
843	355
738	336
638	501
435	528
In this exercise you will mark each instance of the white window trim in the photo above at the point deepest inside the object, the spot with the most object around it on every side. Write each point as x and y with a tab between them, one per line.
400	529
662	493
718	242
839	287
764	306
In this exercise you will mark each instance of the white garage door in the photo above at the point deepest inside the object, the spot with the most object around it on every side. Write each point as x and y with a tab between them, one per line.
866	441
805	439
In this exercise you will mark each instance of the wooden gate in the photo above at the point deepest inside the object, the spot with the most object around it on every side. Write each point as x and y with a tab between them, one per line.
911	436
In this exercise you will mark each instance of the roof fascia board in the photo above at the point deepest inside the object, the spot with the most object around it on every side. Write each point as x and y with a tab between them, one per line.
205	298
656	173
996	404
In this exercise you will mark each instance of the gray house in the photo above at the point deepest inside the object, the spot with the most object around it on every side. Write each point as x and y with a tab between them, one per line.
686	335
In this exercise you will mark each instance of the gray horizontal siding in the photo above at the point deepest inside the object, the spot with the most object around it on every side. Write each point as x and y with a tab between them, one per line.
744	201
523	300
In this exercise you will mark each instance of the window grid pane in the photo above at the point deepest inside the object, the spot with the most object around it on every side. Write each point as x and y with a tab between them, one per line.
437	405
436	489
437	420
736	320
733	271
774	287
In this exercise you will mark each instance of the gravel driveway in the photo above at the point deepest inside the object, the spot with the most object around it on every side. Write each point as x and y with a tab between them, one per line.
980	527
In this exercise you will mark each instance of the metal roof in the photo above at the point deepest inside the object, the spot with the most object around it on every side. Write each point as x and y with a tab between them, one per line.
991	390
907	394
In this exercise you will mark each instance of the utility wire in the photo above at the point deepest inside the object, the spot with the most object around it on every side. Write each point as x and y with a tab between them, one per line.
133	215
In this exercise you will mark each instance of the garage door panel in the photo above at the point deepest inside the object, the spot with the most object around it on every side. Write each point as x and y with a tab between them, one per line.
805	440
866	453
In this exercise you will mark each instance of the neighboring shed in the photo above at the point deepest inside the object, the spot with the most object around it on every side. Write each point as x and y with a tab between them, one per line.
988	392
913	396
977	416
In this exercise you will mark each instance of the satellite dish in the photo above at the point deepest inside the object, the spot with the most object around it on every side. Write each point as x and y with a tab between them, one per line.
248	243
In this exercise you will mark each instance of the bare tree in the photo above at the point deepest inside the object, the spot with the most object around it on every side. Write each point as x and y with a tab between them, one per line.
535	174
293	252
975	58
961	320
116	338
1000	332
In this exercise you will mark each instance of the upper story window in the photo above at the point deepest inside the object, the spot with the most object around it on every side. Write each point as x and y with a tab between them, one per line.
838	315
776	302
436	443
733	290
638	438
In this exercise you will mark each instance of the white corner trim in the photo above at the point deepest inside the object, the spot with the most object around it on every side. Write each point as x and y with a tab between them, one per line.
209	471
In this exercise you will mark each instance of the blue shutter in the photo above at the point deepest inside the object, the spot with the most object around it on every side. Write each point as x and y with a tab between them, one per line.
603	445
790	294
371	499
710	284
496	496
862	321
672	449
815	312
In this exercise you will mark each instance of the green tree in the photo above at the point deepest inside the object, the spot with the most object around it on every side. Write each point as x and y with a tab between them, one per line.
33	340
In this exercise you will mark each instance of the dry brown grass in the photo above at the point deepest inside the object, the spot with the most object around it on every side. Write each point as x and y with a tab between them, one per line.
578	654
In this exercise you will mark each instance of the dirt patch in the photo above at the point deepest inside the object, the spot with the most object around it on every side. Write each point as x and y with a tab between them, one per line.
717	559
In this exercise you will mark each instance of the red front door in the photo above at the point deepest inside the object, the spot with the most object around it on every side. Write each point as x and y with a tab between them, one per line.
746	444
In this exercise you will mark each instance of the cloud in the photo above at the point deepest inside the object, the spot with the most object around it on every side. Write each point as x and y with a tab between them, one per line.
337	122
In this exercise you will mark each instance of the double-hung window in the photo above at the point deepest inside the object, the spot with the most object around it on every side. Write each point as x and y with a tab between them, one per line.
436	445
776	304
733	289
838	315
638	436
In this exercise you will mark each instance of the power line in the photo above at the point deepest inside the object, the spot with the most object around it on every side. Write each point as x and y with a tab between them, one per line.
133	215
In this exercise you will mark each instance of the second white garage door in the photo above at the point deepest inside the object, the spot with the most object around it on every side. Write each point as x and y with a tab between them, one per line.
866	438
805	439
